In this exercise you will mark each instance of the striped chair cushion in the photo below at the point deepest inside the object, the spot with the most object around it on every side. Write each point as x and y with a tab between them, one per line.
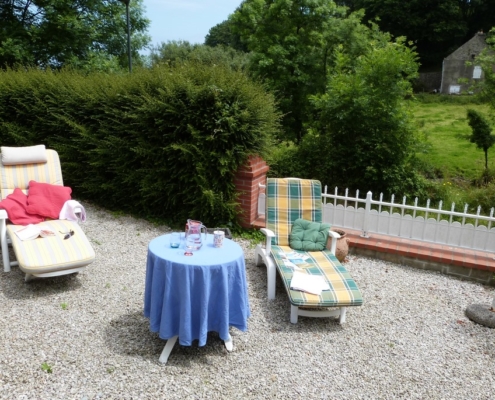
18	176
290	199
343	290
52	254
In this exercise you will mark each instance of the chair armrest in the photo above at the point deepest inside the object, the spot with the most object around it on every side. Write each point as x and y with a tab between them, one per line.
334	235
269	235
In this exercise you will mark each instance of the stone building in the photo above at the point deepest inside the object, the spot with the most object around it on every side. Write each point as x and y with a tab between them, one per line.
454	66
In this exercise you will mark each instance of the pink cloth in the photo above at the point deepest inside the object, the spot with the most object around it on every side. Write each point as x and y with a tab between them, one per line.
16	206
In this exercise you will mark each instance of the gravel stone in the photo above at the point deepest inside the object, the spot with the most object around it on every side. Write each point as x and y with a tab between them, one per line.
85	337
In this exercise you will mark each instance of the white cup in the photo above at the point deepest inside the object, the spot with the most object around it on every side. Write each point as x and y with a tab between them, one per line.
218	237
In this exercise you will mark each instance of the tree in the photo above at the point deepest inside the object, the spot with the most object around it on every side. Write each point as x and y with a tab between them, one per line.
223	35
486	59
177	52
291	43
53	33
365	127
481	135
437	27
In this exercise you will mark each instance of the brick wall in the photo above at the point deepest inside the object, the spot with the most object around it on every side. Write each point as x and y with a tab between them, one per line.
247	181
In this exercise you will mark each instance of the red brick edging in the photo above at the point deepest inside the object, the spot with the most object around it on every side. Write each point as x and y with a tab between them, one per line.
463	263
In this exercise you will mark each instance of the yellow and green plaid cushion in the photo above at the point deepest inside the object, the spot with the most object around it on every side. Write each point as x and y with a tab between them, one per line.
343	289
288	200
18	176
52	253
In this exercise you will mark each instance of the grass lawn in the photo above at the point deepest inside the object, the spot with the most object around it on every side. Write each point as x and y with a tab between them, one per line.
455	157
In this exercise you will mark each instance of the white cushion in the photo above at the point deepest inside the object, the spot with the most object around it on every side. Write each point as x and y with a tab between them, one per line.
24	155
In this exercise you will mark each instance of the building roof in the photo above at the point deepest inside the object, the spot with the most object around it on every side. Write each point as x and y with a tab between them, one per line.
470	49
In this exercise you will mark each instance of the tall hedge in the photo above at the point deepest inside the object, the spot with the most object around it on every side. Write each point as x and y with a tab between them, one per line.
163	142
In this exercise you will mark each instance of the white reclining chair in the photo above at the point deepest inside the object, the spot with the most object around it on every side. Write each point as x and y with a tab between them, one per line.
69	250
287	201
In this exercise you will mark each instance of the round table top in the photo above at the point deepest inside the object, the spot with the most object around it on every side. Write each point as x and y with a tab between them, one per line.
207	255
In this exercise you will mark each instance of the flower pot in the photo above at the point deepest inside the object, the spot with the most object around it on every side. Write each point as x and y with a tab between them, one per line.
342	245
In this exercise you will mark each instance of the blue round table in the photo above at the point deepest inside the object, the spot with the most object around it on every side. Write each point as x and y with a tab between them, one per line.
188	296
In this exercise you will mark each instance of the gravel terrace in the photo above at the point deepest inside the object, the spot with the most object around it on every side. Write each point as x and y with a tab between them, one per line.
85	336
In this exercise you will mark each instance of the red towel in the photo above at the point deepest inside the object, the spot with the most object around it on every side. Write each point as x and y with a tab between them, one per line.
16	206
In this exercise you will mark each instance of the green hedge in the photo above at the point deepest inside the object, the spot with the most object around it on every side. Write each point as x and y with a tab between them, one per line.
163	143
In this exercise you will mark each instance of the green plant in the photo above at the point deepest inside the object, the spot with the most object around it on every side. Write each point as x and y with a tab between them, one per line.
255	236
163	143
51	33
365	125
481	135
291	45
64	306
176	53
427	98
46	367
111	369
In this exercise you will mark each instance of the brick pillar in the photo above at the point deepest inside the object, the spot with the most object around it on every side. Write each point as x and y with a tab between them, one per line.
247	180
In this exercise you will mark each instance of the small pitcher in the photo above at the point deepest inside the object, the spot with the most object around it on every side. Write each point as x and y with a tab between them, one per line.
194	229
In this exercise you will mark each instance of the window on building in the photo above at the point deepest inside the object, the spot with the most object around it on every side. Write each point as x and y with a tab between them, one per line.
454	89
477	72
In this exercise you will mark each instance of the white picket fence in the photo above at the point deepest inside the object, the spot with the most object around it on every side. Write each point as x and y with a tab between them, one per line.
401	220
432	225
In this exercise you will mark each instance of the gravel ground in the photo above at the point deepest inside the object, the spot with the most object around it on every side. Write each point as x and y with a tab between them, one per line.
85	336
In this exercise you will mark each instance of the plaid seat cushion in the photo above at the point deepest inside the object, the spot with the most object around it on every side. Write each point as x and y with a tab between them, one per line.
343	289
51	254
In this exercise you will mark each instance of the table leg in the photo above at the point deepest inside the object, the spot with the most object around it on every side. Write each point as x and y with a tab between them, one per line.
167	349
229	345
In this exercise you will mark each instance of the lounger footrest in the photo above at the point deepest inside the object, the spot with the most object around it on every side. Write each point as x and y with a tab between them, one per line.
343	289
53	253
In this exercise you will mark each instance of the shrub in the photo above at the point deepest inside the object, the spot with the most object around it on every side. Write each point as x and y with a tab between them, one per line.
364	120
163	143
428	98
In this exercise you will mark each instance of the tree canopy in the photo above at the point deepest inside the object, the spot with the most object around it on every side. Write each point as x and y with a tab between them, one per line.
437	27
54	33
176	52
222	34
364	124
291	43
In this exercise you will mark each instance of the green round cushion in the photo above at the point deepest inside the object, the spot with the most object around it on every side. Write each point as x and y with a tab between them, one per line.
308	236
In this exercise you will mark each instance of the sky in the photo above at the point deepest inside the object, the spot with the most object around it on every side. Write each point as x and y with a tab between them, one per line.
185	19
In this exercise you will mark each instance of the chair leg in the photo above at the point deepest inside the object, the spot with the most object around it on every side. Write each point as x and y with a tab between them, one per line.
294	313
271	280
342	315
260	257
5	247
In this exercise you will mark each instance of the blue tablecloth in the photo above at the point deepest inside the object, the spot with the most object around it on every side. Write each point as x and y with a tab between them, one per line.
189	296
